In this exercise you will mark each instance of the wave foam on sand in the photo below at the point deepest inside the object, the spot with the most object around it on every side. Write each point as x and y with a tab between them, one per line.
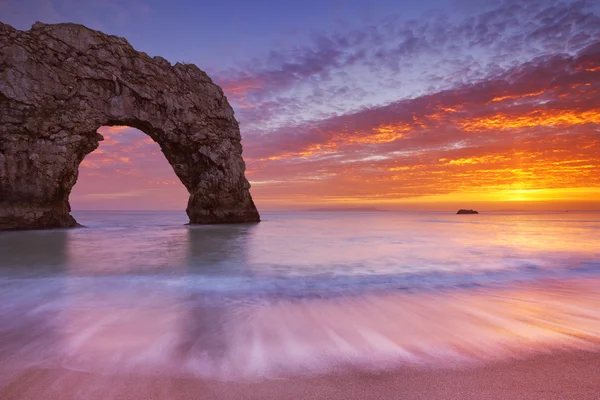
179	334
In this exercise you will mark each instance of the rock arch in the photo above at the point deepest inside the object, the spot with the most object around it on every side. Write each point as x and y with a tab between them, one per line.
59	83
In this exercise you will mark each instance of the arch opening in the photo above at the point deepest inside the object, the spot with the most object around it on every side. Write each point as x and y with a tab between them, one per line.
127	172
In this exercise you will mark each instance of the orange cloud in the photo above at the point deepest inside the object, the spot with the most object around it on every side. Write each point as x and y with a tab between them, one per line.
523	154
517	96
475	160
127	171
469	144
114	129
238	89
380	134
531	119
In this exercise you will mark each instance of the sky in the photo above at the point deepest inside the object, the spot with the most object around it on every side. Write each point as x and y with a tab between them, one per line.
393	104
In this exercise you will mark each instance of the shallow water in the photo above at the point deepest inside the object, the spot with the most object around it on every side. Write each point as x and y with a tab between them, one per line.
303	292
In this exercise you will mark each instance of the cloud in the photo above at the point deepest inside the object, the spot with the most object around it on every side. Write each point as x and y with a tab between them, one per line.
127	171
345	71
112	196
534	127
497	103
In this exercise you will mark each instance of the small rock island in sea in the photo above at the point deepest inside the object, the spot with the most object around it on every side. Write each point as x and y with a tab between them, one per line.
463	211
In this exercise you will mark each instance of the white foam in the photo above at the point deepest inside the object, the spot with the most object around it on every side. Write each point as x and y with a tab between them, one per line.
168	332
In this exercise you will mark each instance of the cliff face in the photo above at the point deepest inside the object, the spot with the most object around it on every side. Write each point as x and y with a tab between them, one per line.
60	83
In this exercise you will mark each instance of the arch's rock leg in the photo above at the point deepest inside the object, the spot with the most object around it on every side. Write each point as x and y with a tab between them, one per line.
36	177
60	83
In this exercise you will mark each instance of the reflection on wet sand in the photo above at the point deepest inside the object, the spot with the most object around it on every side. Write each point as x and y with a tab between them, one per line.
433	329
151	329
112	323
34	254
28	293
203	329
174	312
220	249
138	332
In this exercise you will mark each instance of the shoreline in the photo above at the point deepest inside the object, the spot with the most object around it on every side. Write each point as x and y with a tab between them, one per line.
562	375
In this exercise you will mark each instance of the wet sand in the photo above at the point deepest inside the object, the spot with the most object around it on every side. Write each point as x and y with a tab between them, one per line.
530	341
564	375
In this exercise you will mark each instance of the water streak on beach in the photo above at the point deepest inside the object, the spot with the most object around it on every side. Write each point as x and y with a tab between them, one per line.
301	293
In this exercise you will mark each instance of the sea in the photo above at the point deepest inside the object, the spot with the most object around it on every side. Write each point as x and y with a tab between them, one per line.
300	293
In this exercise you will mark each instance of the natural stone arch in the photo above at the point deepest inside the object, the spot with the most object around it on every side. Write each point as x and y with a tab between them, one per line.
60	83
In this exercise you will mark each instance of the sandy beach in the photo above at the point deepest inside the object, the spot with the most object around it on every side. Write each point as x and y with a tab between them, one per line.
567	375
528	342
186	321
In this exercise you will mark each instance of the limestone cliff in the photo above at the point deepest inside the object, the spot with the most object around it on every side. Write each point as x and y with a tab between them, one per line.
60	83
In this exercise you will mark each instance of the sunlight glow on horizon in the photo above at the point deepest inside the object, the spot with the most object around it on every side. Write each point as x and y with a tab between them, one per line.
525	134
109	166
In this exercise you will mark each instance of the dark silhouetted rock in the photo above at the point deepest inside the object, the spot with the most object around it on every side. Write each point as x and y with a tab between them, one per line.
60	83
463	211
